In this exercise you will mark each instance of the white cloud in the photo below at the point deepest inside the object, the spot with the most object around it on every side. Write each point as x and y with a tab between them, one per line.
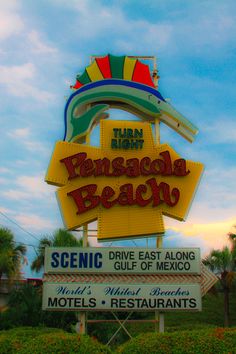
15	194
33	184
35	222
146	35
219	27
10	74
193	28
212	234
223	130
4	170
20	133
3	180
128	34
10	5
37	146
217	197
224	174
28	188
21	162
5	210
37	46
24	135
10	22
17	80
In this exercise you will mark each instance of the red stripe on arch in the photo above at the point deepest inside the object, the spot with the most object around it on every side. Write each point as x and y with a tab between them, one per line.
104	66
142	74
77	85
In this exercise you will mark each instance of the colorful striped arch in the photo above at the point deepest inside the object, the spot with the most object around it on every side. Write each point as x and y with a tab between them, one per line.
114	67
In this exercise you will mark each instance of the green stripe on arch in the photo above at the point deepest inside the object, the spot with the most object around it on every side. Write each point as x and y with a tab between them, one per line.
84	78
117	66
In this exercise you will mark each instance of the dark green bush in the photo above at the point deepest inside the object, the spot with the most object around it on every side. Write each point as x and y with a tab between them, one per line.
25	309
48	340
12	340
217	341
63	343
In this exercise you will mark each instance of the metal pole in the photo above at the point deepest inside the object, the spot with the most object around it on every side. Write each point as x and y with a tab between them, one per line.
81	326
158	141
83	315
158	315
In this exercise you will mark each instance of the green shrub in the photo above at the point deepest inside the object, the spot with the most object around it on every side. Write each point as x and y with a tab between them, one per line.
63	343
25	309
48	340
217	341
12	340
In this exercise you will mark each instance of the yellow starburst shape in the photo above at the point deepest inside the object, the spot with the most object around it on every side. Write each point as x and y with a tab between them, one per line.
127	183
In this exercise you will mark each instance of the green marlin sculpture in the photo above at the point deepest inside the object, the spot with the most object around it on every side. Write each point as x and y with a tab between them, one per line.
89	103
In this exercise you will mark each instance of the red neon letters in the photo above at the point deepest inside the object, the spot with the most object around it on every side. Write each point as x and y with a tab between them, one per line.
85	197
79	166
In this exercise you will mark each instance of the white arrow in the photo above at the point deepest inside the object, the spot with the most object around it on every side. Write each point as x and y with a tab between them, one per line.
206	279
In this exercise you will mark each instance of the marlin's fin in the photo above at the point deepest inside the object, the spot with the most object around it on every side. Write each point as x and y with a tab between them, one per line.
82	125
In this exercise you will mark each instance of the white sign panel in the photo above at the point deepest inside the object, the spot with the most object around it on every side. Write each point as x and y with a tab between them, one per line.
122	260
117	297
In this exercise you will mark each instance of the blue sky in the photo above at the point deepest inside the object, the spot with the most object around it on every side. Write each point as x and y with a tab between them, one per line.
44	44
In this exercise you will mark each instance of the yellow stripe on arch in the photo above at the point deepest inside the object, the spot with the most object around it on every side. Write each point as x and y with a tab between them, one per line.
94	72
129	68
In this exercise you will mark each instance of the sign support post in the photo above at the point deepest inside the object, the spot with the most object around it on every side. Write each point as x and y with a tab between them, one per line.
159	316
82	316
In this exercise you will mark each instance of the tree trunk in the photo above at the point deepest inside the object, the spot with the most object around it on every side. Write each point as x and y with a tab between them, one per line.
226	307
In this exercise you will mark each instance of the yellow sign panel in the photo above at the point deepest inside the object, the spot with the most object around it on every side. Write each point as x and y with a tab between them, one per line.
126	184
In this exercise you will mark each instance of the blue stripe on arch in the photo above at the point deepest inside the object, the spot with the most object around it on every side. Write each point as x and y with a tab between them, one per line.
108	82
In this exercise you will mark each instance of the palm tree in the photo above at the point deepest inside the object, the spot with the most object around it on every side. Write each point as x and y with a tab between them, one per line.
11	256
232	239
223	264
60	238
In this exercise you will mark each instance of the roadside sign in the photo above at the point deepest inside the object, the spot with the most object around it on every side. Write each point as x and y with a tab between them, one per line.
122	260
118	297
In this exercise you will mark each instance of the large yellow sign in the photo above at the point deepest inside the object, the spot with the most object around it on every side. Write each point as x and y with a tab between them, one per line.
126	184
